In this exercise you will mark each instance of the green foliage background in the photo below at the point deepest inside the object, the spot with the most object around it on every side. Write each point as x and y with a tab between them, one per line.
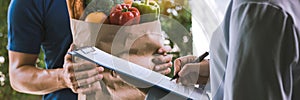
7	93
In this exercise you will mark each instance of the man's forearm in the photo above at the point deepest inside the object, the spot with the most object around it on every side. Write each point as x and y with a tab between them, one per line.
30	79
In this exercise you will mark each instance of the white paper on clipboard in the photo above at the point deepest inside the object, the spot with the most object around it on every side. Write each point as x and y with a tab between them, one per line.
139	74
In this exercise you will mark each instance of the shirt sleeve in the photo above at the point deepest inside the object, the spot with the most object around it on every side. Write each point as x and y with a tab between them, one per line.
296	82
262	52
24	26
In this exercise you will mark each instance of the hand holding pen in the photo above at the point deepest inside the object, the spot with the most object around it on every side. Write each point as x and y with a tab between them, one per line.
190	70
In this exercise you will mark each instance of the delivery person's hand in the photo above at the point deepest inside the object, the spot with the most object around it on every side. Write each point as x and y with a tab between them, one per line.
163	62
191	73
80	76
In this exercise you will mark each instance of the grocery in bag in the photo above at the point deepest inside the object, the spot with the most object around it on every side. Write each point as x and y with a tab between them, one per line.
101	23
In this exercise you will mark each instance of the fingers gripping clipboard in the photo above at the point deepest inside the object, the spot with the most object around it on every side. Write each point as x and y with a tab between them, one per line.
159	83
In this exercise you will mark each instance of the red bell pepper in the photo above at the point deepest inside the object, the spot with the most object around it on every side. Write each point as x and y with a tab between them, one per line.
124	14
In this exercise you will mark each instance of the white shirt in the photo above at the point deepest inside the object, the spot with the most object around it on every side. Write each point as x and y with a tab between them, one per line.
255	52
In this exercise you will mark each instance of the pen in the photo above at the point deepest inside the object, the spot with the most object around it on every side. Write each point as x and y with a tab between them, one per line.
199	59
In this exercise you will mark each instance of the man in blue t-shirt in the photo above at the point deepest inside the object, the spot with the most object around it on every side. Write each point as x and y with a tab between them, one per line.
35	24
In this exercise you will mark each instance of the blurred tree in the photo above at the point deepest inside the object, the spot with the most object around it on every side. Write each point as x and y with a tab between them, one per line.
176	22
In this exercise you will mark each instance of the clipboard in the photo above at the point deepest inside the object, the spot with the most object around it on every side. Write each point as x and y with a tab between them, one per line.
160	85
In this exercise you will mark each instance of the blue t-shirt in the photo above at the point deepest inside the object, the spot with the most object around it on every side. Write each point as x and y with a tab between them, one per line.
36	24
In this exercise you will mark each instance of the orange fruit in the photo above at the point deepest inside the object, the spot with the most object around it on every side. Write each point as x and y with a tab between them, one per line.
128	2
96	17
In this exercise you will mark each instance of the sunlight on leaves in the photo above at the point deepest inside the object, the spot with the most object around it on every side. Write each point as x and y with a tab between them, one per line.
2	59
2	79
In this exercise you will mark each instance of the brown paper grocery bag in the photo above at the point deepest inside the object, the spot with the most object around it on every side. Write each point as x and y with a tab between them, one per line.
141	40
135	43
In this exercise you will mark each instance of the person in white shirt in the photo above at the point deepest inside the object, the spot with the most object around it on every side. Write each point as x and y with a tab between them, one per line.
254	54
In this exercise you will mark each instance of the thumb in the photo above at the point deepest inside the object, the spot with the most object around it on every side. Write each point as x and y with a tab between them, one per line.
164	49
177	66
72	47
68	57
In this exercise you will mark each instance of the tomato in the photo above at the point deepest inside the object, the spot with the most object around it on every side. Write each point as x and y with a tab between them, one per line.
124	14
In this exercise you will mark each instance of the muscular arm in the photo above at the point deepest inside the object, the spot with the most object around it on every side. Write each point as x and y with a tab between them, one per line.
25	77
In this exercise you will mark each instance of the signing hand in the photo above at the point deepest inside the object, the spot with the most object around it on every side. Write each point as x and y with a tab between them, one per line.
191	73
80	76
